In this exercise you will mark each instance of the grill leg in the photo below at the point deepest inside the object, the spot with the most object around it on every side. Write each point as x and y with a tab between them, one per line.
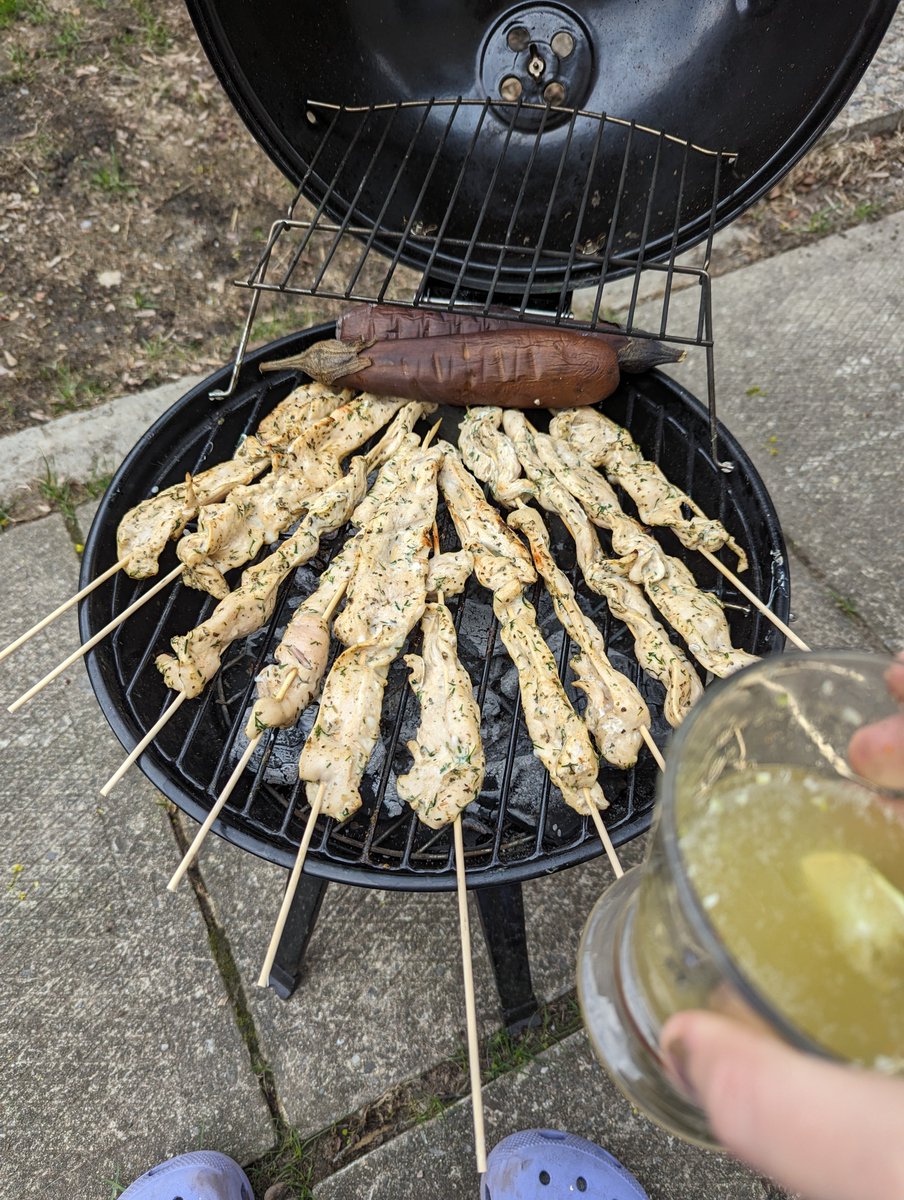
285	974
501	912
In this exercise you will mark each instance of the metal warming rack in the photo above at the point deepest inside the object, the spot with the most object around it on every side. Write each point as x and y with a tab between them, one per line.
516	198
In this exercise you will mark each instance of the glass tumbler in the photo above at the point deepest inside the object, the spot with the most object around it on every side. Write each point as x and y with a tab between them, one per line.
650	947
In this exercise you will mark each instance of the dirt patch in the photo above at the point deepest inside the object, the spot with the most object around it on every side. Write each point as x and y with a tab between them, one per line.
131	195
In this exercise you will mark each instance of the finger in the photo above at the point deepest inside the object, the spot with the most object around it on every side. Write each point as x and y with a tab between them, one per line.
821	1129
894	678
877	751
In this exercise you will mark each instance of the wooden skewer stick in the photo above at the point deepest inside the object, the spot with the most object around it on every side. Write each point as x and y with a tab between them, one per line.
143	744
755	601
480	1141
604	837
652	747
58	612
264	977
92	642
192	852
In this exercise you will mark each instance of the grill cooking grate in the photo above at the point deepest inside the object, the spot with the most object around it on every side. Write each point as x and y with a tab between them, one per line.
520	828
615	199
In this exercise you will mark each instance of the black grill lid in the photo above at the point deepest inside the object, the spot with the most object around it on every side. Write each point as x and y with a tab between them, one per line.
762	78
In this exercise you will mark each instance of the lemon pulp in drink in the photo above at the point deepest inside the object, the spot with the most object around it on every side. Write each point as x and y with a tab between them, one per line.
802	879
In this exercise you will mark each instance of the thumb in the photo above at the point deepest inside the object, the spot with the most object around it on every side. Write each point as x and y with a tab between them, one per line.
828	1131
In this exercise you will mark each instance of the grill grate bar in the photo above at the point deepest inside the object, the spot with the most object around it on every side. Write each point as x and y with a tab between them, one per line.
547	217
632	307
674	247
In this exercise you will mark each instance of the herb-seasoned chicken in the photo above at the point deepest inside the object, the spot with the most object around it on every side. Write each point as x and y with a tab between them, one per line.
231	534
449	763
198	654
385	601
491	456
615	710
503	565
301	655
609	578
145	529
695	614
600	442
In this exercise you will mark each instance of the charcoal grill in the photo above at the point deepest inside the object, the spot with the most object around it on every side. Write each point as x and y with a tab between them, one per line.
500	190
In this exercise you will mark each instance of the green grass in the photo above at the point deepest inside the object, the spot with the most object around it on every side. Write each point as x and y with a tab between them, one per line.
71	391
68	36
844	605
110	177
96	485
156	34
34	11
116	1187
141	301
58	493
866	211
5	516
288	1162
821	222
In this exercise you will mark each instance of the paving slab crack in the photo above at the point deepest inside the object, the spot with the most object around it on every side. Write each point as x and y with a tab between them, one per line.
845	606
232	981
304	1163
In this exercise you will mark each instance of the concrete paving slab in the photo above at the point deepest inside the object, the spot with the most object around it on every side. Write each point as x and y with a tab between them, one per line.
564	1088
877	103
381	999
84	444
809	347
118	1045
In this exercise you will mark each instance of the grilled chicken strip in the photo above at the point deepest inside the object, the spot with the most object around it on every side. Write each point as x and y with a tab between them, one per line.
144	530
615	710
449	572
503	565
600	442
199	653
232	533
449	762
695	614
491	456
385	601
303	651
655	652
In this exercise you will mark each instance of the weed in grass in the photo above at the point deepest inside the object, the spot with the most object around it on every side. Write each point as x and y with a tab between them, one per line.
866	211
288	1163
33	11
116	1186
95	485
20	63
427	1108
5	516
68	36
110	177
141	301
844	605
156	34
153	349
58	493
820	222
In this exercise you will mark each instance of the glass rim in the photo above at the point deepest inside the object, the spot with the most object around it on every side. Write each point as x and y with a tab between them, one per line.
690	901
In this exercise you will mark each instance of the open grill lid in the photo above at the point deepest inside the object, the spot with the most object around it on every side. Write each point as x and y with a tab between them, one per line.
759	78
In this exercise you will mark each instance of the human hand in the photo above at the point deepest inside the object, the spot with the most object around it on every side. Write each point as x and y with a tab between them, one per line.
827	1131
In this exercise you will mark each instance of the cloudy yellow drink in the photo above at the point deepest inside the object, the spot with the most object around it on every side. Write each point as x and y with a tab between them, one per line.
802	879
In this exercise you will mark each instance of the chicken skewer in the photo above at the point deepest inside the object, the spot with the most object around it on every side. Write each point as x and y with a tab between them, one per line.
397	435
145	529
448	772
616	714
386	599
503	565
231	533
289	685
600	441
199	653
608	578
695	614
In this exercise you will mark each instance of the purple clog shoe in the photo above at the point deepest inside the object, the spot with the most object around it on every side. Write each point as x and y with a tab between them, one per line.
543	1164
